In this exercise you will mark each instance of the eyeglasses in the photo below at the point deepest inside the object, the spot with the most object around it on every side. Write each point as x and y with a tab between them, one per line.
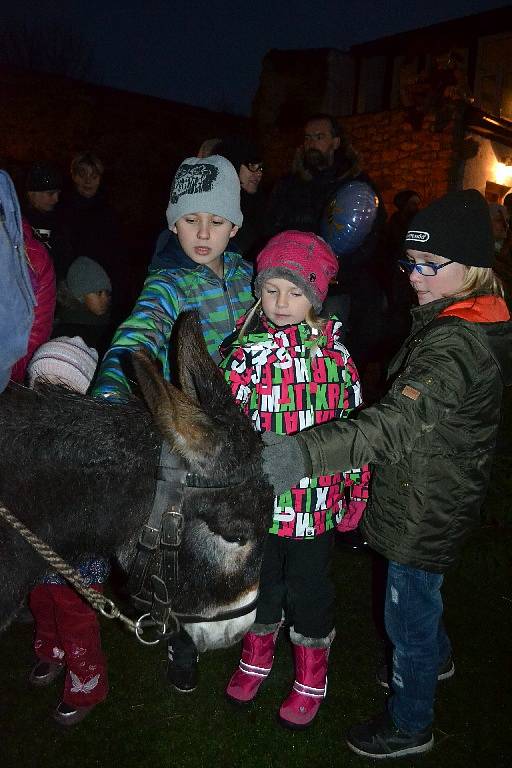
255	167
427	270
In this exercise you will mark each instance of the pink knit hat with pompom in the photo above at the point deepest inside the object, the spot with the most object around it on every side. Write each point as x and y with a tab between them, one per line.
66	361
304	259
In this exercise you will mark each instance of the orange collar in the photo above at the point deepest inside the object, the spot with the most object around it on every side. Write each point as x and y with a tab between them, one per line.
479	309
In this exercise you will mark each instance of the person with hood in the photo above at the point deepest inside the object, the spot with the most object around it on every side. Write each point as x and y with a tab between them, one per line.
430	441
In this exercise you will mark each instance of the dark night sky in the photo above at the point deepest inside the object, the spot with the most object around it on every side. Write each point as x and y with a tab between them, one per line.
209	53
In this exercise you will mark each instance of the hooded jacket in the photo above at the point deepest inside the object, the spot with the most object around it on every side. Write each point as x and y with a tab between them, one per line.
166	293
168	253
17	301
284	380
42	278
432	437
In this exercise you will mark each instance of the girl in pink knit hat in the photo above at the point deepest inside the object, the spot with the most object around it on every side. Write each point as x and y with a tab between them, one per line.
288	370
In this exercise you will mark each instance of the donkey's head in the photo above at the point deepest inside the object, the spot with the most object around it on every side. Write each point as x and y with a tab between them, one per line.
225	524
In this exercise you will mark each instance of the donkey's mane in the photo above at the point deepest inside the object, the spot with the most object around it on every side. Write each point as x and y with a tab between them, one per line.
70	428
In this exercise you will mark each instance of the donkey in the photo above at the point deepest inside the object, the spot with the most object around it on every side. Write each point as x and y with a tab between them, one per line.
80	473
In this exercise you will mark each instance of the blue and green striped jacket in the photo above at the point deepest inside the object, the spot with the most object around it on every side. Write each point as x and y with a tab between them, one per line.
166	293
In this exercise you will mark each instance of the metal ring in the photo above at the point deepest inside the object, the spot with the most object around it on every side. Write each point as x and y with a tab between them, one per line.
139	631
113	611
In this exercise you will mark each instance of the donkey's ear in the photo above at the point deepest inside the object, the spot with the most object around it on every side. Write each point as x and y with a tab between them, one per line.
178	418
199	376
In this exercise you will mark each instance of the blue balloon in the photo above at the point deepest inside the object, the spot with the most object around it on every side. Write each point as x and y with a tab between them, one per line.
349	217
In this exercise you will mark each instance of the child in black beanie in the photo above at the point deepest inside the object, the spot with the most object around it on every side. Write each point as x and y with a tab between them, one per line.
430	441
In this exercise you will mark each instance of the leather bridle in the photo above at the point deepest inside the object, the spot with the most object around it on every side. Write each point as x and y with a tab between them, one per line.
155	567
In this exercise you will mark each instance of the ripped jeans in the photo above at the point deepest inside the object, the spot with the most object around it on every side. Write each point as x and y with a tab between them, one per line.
413	612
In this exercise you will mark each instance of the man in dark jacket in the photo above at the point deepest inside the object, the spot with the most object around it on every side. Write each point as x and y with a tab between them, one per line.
431	440
320	165
325	165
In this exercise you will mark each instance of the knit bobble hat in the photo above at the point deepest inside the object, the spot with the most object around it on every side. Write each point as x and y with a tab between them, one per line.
64	360
87	276
42	177
457	227
205	185
302	258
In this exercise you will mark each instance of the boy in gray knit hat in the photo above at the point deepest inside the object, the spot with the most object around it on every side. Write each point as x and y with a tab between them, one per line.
204	274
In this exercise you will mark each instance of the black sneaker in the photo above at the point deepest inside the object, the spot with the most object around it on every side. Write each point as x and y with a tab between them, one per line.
45	672
446	671
352	540
69	714
182	667
381	739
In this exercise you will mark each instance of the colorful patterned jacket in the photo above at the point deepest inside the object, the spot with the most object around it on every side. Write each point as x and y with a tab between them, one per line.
166	293
286	380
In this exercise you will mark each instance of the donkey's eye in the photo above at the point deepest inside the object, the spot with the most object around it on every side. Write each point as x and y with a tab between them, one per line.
240	540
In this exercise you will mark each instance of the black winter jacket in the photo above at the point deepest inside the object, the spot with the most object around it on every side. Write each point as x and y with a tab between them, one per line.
430	439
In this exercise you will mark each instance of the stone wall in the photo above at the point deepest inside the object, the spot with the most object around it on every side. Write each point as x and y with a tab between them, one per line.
398	157
392	153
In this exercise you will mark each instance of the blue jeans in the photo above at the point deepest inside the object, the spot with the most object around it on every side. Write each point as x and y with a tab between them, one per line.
413	611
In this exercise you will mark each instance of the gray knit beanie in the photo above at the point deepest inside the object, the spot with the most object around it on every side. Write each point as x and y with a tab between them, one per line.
205	185
87	276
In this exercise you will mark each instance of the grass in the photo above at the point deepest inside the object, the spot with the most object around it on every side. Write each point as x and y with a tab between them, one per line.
144	723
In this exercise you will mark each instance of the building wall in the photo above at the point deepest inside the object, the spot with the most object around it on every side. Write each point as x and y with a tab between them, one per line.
141	139
395	156
482	171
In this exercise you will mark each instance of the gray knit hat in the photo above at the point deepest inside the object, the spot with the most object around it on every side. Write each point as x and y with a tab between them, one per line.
205	185
87	276
66	361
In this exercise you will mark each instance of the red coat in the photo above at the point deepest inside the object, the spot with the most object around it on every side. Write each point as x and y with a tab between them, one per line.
42	275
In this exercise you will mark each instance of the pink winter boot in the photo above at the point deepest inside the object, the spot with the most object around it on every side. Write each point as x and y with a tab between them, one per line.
256	662
299	709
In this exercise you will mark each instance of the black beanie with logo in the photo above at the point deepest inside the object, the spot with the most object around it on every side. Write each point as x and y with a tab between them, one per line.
457	227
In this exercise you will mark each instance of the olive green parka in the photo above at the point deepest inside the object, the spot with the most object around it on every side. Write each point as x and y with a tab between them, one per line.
430	439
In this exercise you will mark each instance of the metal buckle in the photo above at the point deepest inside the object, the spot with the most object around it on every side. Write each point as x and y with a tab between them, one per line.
172	529
139	631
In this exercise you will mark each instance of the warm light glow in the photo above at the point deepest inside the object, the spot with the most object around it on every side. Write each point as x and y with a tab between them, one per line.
503	173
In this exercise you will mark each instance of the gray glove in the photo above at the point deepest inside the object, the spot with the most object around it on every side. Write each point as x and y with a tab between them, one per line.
284	461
